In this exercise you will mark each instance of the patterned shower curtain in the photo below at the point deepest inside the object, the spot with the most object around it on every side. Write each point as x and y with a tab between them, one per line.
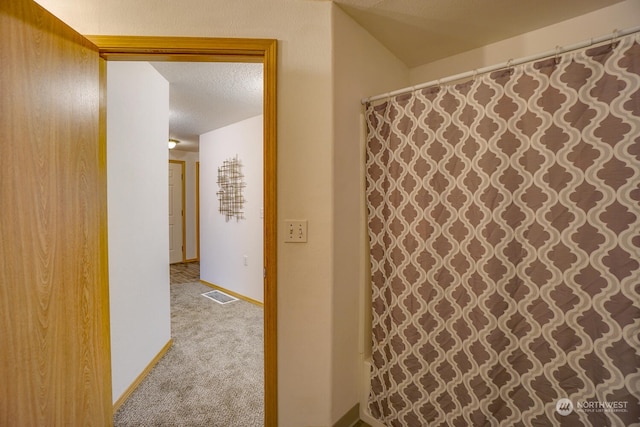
504	227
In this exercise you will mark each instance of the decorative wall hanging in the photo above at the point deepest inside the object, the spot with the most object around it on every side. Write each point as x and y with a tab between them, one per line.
231	182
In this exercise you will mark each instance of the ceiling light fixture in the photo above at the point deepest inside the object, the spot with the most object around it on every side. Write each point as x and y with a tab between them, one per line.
173	143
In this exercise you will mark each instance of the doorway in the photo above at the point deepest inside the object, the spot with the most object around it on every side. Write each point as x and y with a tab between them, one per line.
114	48
176	211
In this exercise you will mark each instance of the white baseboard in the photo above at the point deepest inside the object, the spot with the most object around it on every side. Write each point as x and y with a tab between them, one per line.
365	415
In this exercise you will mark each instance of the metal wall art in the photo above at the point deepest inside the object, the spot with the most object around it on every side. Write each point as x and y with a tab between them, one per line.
231	182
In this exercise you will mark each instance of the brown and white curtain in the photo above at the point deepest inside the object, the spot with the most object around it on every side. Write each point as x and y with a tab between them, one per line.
504	226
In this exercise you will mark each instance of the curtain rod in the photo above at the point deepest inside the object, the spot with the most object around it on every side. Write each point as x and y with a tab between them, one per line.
510	63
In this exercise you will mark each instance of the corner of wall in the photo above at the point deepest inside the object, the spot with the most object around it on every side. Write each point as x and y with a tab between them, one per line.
361	67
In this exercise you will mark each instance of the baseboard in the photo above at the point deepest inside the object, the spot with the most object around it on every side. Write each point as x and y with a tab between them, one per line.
191	260
142	376
365	414
350	418
367	418
233	294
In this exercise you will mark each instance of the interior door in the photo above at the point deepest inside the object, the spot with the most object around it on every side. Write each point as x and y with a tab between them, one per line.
176	211
54	314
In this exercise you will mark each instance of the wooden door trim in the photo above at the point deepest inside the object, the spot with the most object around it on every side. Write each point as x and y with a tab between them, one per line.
198	49
183	204
197	211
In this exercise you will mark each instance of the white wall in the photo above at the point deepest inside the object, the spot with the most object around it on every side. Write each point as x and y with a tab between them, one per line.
225	245
137	196
361	66
191	239
599	23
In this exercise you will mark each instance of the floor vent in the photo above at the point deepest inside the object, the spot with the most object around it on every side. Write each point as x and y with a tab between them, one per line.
220	297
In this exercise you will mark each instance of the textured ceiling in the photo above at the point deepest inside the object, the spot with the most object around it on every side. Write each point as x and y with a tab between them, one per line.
204	96
422	31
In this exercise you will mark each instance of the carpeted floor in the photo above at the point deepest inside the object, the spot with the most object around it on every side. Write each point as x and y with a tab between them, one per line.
213	374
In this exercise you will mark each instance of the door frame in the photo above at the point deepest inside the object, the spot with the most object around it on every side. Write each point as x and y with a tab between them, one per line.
199	49
183	220
198	211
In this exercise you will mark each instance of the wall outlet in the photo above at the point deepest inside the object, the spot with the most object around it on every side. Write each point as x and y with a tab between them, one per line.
295	231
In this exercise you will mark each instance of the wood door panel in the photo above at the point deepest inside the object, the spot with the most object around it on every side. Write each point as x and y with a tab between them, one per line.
54	349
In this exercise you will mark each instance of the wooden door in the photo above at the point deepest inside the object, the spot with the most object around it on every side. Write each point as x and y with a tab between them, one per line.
176	211
54	314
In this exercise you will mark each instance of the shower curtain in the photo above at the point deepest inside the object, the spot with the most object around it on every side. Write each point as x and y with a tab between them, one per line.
504	229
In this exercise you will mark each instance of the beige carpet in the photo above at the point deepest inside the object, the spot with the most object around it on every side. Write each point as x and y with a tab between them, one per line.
213	374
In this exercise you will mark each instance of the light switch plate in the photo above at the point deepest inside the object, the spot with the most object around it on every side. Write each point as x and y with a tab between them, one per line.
295	231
